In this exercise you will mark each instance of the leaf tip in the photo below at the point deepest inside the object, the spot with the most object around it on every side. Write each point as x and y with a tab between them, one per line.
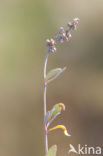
66	133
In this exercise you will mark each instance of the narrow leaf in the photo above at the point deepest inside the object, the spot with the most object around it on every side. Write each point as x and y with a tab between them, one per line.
53	74
48	116
52	151
51	120
60	127
57	108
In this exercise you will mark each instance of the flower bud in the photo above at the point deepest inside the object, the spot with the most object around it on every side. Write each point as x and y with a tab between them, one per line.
61	30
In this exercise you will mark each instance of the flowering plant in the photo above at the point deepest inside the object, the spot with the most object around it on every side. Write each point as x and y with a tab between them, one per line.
49	116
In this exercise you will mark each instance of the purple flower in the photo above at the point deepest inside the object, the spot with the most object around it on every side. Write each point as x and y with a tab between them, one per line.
72	25
51	44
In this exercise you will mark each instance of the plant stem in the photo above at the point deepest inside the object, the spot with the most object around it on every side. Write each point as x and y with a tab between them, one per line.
44	101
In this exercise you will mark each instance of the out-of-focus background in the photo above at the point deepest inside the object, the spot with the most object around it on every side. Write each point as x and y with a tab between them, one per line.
24	27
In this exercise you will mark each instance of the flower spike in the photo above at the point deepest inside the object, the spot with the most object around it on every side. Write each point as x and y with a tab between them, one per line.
63	35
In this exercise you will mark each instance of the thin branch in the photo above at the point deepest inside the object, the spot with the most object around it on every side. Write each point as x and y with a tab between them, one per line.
45	64
44	101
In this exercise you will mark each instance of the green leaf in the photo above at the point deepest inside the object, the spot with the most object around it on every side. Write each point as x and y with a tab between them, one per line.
57	109
53	74
52	151
48	116
53	113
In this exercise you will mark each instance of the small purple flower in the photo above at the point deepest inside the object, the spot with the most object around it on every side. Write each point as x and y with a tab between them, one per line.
52	49
62	36
76	20
51	44
72	25
61	31
68	34
57	38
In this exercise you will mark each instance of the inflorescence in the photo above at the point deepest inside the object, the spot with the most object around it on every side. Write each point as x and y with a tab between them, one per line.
64	35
